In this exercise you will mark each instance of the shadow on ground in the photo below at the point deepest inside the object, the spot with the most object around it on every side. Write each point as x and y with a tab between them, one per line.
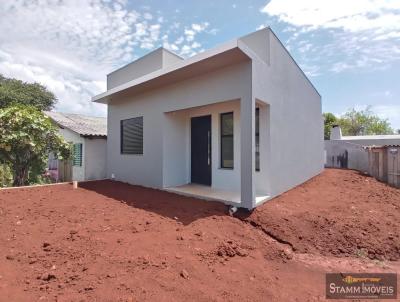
170	205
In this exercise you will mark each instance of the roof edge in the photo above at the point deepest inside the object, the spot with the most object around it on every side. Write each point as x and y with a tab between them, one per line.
169	69
161	48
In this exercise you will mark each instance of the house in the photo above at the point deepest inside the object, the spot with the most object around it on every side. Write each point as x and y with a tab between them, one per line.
349	151
239	123
88	137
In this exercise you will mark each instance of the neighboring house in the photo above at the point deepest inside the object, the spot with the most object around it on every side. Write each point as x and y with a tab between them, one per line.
349	152
88	137
239	123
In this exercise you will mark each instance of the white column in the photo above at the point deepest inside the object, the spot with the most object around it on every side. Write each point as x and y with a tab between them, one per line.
247	151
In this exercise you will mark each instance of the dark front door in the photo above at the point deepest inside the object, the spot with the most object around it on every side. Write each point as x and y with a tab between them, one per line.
201	150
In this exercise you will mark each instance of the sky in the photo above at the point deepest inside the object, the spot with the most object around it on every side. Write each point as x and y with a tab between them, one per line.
350	50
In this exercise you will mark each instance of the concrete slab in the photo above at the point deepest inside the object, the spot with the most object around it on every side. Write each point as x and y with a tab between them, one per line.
209	193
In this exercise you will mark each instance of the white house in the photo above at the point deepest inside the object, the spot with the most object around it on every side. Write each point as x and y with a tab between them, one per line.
239	123
88	137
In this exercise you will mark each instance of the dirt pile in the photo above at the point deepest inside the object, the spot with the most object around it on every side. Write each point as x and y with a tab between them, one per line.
109	241
339	213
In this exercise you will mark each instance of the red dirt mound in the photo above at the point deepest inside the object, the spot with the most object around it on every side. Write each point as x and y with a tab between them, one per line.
109	241
339	212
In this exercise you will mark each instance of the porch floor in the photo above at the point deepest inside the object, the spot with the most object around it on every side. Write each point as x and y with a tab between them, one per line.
210	193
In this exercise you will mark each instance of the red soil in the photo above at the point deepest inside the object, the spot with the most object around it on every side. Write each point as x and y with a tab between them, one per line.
109	241
340	213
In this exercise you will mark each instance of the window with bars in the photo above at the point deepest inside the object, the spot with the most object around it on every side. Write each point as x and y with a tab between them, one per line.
227	140
77	154
132	136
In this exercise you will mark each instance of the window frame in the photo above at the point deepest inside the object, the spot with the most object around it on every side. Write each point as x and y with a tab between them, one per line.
226	135
80	161
257	140
122	152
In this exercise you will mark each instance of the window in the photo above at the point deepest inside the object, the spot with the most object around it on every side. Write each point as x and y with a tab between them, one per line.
257	132
227	140
132	136
77	154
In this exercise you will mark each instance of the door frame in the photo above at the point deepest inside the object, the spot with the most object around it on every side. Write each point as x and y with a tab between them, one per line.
209	149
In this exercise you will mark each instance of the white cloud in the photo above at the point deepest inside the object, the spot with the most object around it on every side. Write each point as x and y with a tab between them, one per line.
196	45
350	15
390	112
200	27
189	34
341	35
70	46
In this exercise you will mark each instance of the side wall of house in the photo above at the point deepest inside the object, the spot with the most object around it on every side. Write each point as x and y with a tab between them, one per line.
95	158
228	83
78	172
294	124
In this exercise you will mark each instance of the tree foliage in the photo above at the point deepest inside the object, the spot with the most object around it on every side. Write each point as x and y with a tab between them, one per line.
27	137
329	120
13	91
363	122
357	122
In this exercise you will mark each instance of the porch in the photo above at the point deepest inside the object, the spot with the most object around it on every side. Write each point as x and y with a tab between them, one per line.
203	153
209	193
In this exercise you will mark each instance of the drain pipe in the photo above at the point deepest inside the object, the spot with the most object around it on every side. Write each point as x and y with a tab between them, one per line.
232	210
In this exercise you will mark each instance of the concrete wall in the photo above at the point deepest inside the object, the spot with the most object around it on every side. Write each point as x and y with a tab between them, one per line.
78	172
95	158
227	83
357	157
295	120
153	61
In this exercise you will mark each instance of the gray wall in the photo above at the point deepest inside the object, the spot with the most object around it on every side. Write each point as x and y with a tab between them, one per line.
357	156
95	155
153	61
227	83
295	123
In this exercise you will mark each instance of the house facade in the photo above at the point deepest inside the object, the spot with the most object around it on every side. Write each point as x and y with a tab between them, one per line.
239	123
88	138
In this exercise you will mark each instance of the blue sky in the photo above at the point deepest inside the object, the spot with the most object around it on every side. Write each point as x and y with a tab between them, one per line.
349	49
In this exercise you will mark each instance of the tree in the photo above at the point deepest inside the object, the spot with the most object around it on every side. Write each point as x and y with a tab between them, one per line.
363	122
14	92
27	137
329	120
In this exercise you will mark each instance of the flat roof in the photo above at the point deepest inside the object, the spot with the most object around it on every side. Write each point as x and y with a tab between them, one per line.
217	57
180	70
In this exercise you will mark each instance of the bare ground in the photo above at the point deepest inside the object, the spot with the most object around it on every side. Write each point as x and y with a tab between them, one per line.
109	241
